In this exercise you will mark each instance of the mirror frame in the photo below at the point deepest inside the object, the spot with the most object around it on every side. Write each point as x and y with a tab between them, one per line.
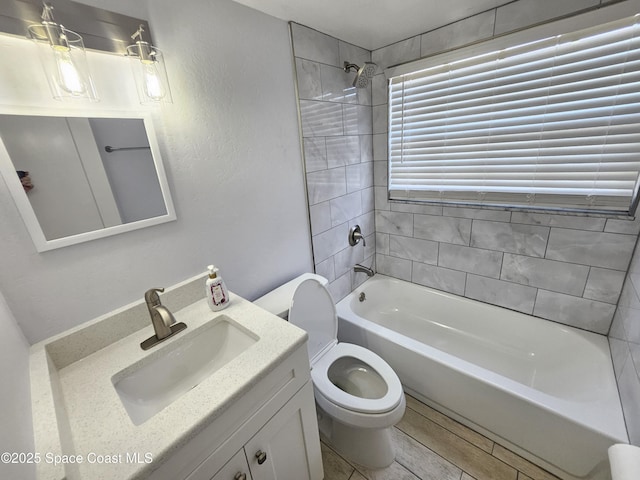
8	172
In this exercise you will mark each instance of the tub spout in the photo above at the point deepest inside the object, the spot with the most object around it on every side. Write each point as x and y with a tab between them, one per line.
362	269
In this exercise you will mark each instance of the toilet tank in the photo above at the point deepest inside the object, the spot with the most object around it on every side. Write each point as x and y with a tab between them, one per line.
278	301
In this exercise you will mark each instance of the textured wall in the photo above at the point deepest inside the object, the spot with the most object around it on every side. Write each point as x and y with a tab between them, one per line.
233	158
15	415
338	151
565	268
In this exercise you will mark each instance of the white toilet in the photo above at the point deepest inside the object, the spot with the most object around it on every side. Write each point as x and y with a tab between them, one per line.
359	397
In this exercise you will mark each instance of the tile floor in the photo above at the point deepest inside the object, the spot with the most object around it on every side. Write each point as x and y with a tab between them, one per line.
431	446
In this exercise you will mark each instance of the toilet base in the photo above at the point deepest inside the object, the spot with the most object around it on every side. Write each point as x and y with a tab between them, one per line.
370	447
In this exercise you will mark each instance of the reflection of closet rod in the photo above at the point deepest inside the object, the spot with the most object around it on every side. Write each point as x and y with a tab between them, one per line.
115	149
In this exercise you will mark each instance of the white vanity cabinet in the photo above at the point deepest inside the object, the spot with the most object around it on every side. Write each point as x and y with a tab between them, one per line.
270	433
281	449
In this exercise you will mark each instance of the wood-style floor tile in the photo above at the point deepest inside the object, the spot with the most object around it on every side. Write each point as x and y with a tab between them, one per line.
469	435
335	467
471	459
424	463
521	464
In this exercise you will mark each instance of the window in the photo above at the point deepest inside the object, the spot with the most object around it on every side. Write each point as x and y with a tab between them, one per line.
549	122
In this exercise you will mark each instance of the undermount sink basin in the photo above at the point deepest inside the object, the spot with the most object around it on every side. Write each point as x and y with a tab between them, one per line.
150	385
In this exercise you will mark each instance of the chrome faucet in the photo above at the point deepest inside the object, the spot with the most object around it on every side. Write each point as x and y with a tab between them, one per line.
355	235
362	269
164	324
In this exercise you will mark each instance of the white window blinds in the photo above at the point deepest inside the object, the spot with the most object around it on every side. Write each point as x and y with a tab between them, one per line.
553	123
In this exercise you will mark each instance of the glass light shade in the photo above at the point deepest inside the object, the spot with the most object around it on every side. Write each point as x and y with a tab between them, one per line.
64	60
147	63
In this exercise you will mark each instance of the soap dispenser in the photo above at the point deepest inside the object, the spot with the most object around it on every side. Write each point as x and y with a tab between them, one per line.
216	291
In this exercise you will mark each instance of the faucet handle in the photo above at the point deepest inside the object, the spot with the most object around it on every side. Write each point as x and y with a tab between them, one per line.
355	235
152	298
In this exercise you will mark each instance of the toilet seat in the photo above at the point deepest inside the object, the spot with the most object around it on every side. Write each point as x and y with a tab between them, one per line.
313	310
320	377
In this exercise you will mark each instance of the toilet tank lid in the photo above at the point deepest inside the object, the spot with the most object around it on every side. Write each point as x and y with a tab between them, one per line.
278	300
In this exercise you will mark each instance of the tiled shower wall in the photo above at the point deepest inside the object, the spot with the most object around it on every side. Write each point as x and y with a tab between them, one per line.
337	141
569	269
624	339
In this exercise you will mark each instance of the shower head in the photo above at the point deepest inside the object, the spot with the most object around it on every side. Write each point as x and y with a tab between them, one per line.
364	73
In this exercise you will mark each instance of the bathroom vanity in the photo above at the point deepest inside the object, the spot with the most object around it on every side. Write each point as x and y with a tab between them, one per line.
230	397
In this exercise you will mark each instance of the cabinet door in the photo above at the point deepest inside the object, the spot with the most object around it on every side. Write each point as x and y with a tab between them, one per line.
235	469
288	446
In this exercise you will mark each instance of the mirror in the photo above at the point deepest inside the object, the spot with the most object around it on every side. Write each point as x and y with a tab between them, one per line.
78	178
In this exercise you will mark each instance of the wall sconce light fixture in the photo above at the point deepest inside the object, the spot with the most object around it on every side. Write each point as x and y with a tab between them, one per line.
63	58
149	71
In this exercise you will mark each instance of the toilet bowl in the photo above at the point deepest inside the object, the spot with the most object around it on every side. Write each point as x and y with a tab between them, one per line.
358	395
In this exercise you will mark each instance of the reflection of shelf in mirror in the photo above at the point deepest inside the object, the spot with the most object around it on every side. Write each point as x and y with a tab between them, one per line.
110	149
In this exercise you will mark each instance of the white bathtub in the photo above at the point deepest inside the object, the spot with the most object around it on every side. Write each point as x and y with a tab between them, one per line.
545	390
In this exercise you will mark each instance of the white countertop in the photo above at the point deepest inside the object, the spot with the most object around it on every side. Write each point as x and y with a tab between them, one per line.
92	417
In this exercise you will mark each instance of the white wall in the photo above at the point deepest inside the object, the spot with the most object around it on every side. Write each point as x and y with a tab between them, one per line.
232	154
15	415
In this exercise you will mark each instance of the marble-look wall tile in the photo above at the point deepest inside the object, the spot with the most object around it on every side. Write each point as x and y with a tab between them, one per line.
564	221
321	118
352	54
631	227
524	13
424	209
629	386
604	285
337	132
340	287
457	34
309	83
508	237
366	148
477	213
380	177
326	184
472	260
442	229
357	119
359	176
379	93
320	216
315	154
380	119
329	243
574	311
343	150
326	269
504	294
380	151
345	259
394	222
345	208
312	45
606	250
368	200
394	267
382	243
397	53
337	85
619	354
380	197
415	249
549	274
451	281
